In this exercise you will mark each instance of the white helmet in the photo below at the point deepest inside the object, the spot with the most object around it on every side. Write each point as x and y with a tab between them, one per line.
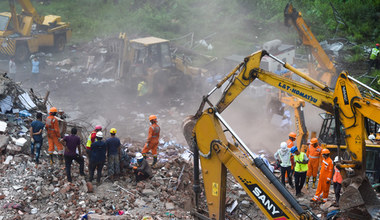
336	159
99	134
283	145
139	156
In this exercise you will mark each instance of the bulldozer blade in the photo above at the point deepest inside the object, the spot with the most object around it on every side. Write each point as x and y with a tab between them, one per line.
188	125
361	202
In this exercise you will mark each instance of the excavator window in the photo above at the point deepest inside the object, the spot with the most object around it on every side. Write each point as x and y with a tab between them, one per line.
4	20
165	56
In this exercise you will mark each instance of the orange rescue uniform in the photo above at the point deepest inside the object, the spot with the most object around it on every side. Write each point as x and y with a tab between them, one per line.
324	179
152	140
314	154
290	145
53	134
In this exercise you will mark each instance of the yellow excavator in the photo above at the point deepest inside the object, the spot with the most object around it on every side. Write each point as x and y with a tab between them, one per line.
27	32
219	148
324	71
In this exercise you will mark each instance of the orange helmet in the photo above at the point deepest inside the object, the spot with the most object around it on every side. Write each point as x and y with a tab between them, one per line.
53	109
292	134
152	117
325	151
314	140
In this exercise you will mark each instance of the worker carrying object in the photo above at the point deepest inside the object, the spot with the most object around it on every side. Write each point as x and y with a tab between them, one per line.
314	154
53	134
283	156
300	169
325	176
152	140
373	58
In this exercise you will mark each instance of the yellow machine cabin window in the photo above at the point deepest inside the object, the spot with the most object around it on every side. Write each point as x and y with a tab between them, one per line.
4	20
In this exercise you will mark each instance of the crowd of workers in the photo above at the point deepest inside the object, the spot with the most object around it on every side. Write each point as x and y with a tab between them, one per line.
304	166
98	151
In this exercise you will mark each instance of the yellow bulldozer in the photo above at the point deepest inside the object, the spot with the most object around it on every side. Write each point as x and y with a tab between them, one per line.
27	32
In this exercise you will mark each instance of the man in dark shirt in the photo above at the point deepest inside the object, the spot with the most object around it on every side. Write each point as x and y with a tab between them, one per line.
113	152
142	170
72	143
36	136
98	157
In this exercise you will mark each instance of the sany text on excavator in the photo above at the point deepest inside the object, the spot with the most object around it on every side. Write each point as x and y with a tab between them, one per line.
206	133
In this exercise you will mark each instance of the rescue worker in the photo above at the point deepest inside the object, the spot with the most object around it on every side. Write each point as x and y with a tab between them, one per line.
91	139
283	156
290	143
113	151
98	157
300	169
337	181
313	153
62	122
36	139
142	88
53	134
142	171
373	58
325	176
152	140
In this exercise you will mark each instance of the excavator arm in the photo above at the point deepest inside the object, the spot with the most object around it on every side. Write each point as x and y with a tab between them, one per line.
28	9
206	134
328	71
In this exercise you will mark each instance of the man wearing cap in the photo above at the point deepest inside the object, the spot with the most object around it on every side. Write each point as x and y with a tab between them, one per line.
313	153
290	143
113	152
98	157
91	139
373	57
325	176
53	134
152	140
337	180
300	169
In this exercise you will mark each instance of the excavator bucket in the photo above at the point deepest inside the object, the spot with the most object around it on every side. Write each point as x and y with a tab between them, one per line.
359	200
188	125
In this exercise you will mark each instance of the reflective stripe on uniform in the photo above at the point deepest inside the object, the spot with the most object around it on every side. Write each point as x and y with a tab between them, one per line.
314	157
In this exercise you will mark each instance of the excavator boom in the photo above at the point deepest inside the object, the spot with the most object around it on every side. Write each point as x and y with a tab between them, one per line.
206	133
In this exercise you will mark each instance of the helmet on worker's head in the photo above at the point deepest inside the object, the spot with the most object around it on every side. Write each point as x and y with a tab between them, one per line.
99	134
314	140
377	45
336	159
53	110
293	149
139	156
283	145
113	131
98	127
152	117
292	134
325	151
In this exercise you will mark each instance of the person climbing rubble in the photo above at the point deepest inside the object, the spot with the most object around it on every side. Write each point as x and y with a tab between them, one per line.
337	180
53	134
313	153
283	156
300	169
142	171
98	157
36	136
152	140
374	58
72	144
325	176
113	153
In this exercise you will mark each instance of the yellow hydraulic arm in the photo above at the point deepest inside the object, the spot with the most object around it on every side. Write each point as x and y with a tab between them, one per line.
293	17
28	9
217	154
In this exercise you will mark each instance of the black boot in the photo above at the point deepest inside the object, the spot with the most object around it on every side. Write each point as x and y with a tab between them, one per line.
51	159
154	160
